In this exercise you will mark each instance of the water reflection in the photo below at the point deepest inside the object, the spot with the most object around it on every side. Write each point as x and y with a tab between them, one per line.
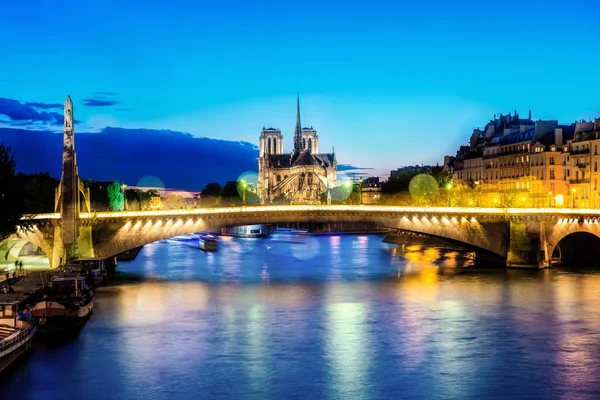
348	350
359	319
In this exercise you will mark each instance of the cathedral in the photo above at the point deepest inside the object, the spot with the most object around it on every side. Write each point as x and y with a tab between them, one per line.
302	176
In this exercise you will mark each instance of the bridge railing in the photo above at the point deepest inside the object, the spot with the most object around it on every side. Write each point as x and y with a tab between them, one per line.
334	208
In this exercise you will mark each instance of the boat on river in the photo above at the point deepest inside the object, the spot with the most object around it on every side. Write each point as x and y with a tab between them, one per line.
16	333
208	243
93	266
64	305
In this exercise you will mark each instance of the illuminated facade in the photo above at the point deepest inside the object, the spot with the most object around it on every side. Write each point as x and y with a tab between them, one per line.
301	176
550	165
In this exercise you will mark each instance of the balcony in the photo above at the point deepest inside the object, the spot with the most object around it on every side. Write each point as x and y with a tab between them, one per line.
579	152
581	164
576	181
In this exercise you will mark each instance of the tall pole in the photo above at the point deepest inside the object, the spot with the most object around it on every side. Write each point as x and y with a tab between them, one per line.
243	192
360	182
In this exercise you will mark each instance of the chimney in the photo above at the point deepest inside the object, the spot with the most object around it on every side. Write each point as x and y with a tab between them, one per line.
558	137
529	115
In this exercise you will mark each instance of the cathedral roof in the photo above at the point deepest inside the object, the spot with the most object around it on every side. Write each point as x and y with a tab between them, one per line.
304	158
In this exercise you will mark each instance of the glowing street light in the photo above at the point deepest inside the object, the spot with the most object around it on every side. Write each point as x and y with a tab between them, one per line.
244	184
124	189
574	191
449	186
476	183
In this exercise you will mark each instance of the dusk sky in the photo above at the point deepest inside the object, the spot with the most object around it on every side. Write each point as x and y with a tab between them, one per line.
387	83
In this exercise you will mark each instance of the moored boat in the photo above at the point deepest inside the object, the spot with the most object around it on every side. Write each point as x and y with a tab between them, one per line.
95	267
65	304
208	243
16	333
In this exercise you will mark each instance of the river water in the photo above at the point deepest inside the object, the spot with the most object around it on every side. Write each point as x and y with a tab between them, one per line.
332	317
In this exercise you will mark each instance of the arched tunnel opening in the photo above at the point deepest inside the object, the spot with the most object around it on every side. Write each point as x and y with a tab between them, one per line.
580	249
16	249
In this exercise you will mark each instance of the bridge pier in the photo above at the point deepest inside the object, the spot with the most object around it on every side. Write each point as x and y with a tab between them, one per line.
527	245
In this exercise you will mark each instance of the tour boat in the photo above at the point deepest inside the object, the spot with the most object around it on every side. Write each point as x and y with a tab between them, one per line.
208	243
95	267
16	333
65	304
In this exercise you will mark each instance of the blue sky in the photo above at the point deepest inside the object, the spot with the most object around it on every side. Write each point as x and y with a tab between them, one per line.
387	83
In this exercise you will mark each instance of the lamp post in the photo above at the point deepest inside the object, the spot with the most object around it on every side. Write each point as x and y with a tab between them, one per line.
574	192
549	199
449	187
476	193
244	191
360	181
124	188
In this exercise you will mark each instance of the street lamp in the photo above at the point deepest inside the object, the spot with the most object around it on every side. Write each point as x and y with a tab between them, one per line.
124	189
449	186
476	193
244	191
549	199
360	181
574	191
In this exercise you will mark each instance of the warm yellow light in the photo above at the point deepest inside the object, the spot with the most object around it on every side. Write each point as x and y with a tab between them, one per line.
559	200
573	190
523	199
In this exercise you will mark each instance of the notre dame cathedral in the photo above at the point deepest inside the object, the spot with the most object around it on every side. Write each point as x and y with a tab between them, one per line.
302	176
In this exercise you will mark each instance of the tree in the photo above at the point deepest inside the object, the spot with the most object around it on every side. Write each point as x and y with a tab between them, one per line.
174	202
211	194
39	192
12	207
231	195
115	196
281	199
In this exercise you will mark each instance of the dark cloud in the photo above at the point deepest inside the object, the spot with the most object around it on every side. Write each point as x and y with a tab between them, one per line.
179	159
96	102
45	106
18	112
348	167
107	93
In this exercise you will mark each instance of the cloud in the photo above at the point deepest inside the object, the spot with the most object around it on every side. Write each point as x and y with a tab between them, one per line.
45	106
348	167
107	93
180	160
18	112
96	102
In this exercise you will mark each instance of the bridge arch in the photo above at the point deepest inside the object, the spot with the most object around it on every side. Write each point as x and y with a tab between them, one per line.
564	234
577	248
113	236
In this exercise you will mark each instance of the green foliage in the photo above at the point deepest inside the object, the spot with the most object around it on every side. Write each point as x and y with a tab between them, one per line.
280	199
38	192
213	189
507	200
174	202
12	207
211	194
115	196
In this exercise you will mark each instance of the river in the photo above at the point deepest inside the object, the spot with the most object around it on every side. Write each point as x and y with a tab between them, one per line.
331	317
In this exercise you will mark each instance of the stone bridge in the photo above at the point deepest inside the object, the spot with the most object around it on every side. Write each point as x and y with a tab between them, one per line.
514	237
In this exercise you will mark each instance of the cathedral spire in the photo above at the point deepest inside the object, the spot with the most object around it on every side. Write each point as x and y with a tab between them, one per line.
298	131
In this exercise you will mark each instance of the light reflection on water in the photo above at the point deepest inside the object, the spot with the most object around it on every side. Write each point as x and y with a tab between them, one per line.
353	318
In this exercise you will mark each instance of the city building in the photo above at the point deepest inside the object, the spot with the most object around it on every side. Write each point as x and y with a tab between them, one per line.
370	190
302	176
418	169
546	164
